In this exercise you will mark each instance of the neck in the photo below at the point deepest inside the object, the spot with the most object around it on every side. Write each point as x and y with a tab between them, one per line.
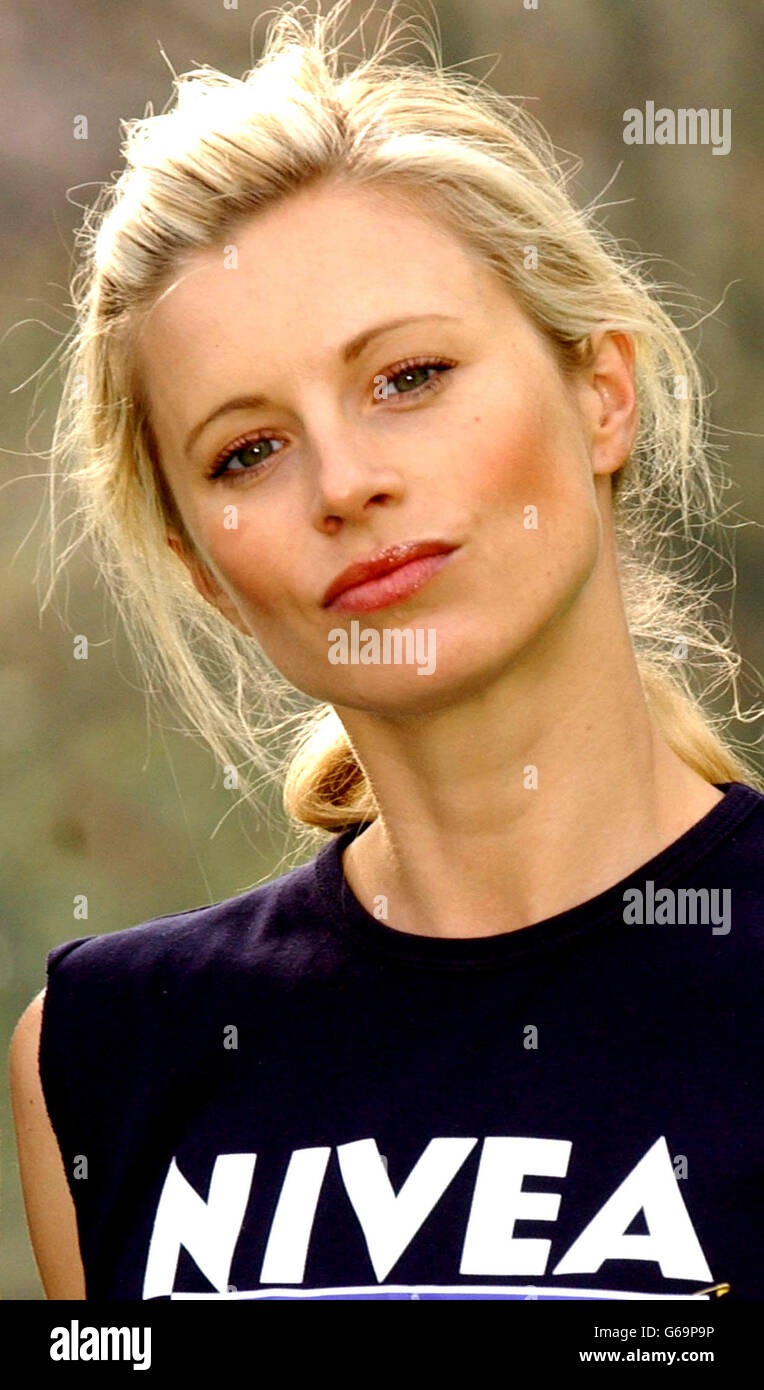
527	797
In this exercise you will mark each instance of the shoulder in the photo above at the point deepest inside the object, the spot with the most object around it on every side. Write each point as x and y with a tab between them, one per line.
246	927
23	1069
746	816
736	866
23	1066
127	1010
25	1041
45	1186
721	898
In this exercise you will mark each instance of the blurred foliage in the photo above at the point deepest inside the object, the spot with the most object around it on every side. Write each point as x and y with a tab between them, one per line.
96	800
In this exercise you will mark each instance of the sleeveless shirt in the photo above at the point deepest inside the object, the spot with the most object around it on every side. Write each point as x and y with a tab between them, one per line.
282	1096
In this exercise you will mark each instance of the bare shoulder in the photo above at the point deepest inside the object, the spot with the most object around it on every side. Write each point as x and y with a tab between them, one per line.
49	1206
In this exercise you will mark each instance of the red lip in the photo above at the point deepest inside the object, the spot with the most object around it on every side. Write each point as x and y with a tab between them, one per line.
382	563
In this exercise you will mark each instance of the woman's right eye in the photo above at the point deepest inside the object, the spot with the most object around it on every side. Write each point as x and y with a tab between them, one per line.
246	445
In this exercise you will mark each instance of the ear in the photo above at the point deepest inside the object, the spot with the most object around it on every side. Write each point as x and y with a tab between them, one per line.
205	584
610	400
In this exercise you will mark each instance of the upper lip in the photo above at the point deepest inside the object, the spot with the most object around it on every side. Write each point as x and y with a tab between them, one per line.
382	562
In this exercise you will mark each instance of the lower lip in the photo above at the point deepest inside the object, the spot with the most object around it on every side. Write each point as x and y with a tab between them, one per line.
389	588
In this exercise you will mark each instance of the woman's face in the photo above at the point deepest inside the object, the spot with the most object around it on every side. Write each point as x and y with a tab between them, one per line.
498	458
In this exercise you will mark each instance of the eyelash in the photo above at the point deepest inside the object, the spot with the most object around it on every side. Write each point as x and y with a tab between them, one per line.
218	467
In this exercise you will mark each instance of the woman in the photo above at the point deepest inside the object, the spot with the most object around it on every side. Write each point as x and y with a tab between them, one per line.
358	399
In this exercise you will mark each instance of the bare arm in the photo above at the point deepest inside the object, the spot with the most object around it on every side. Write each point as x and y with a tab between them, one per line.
49	1207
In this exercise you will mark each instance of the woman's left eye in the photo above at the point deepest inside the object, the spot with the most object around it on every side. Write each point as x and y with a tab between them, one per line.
413	376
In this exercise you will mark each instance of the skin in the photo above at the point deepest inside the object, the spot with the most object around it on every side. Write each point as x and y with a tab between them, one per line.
534	661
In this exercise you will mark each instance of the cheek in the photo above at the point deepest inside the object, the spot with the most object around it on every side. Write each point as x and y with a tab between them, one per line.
245	551
528	449
256	558
532	492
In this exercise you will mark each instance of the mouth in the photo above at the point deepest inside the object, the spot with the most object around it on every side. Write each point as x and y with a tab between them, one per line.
388	577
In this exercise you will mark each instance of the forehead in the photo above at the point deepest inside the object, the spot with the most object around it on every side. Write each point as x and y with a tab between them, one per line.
315	266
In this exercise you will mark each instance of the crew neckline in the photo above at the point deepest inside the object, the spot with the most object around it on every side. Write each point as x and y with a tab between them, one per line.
346	910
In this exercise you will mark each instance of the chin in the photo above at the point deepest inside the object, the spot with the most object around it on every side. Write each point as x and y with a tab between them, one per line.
390	691
437	665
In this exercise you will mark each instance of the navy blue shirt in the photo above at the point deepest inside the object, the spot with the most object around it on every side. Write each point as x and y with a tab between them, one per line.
283	1096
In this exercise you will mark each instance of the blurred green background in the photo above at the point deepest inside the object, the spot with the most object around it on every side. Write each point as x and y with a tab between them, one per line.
97	799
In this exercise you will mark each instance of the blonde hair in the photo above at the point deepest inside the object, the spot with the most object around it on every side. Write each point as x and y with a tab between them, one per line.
488	171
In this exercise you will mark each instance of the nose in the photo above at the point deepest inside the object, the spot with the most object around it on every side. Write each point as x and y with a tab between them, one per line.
350	478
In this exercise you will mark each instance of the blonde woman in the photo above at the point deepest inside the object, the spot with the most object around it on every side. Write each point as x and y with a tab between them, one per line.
362	409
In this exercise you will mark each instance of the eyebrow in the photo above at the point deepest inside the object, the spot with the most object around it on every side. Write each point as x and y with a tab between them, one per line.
351	350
